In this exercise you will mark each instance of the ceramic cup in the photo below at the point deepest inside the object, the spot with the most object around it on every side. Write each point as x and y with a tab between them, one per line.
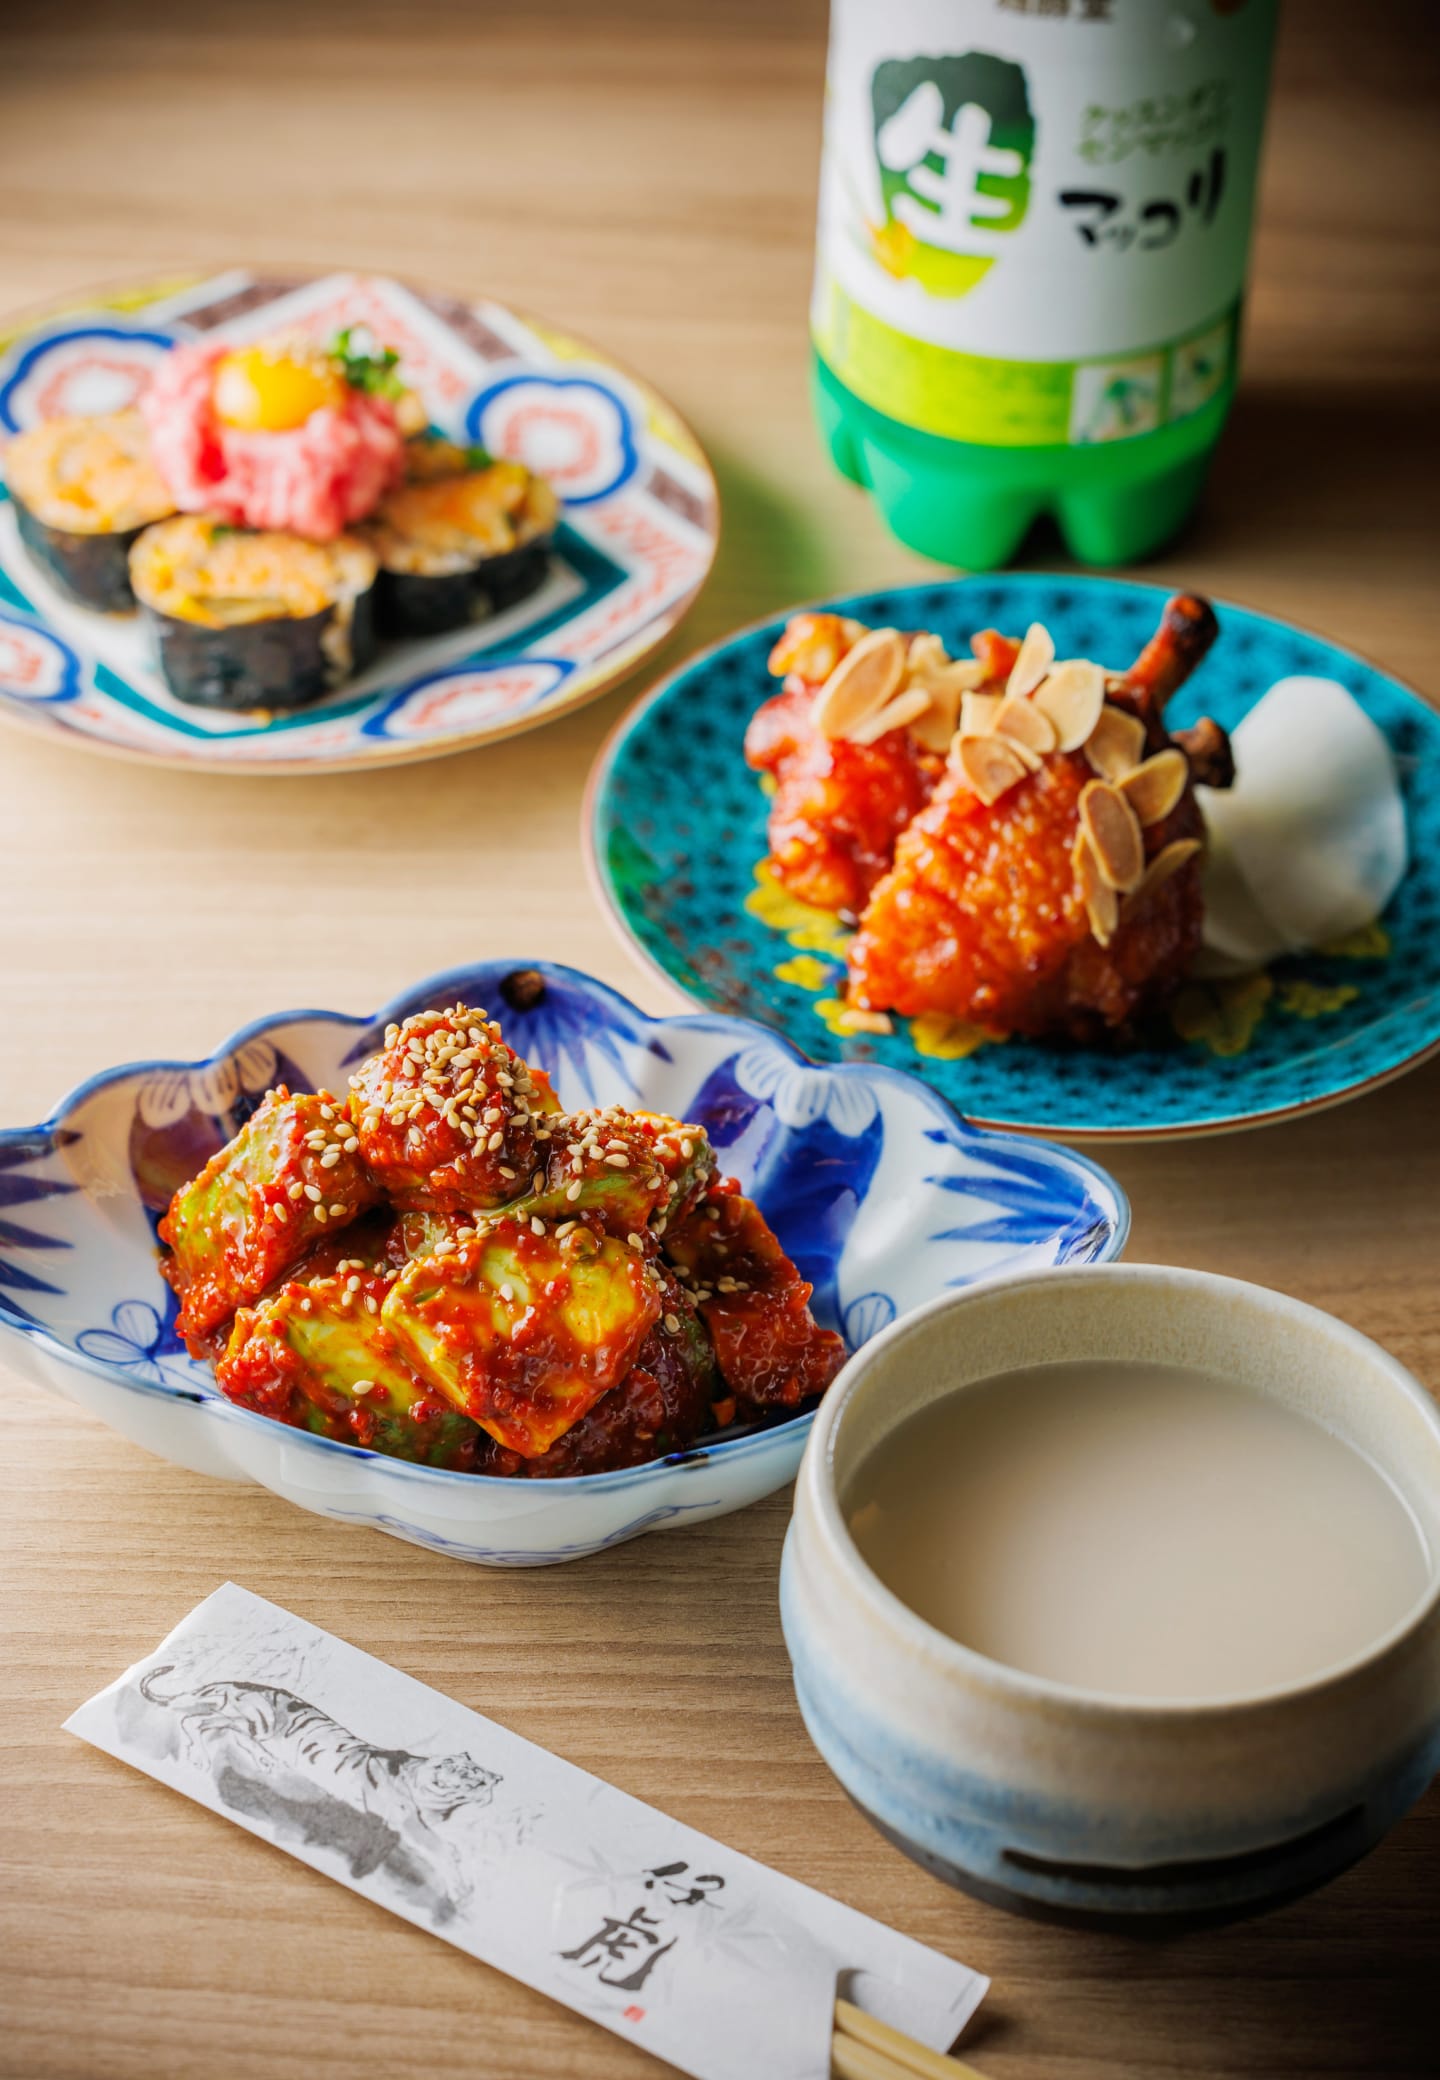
1069	1803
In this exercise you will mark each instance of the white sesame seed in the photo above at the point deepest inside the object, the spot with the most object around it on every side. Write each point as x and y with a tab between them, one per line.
497	1140
330	1158
294	1191
672	1323
618	1162
312	1192
338	1209
537	1226
321	1215
574	1191
635	1241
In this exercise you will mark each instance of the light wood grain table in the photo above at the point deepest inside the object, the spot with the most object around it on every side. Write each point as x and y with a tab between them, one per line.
644	173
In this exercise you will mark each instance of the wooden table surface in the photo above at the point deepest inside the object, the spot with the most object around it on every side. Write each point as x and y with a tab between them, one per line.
644	173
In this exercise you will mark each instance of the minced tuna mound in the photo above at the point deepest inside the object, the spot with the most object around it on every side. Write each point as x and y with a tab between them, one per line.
313	480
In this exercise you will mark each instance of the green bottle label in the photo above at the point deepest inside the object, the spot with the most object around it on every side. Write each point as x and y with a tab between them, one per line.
1035	214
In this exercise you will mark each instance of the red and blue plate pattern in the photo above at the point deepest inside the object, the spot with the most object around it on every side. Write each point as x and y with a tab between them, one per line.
636	541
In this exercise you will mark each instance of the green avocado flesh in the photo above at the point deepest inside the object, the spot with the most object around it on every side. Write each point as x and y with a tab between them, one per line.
593	1303
346	1352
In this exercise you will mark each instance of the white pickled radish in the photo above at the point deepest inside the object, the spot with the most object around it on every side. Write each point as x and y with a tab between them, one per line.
1310	842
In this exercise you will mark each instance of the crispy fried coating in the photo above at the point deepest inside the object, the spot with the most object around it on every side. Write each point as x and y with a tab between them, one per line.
982	917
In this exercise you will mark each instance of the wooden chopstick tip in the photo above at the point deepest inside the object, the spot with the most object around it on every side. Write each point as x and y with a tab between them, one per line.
865	2048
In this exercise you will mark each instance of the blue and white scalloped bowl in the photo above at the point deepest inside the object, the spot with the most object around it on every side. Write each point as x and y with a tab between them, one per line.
880	1193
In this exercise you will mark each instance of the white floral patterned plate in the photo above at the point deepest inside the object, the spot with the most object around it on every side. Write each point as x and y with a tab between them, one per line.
637	536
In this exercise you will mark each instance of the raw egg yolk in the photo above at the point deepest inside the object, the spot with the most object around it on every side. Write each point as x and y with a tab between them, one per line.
260	392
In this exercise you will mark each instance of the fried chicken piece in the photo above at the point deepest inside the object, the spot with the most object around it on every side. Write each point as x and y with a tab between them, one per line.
839	805
984	916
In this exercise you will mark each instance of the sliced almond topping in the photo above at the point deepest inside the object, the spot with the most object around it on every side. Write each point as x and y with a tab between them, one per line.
978	712
1113	829
990	765
929	665
1116	744
1031	760
926	650
1153	789
861	683
1072	696
1167	861
905	708
1026	725
936	726
1101	904
1037	654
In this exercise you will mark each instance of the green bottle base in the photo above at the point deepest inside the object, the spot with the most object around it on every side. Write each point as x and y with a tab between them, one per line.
1114	502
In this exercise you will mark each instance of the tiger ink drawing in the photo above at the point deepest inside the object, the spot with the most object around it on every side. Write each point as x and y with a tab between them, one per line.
512	1855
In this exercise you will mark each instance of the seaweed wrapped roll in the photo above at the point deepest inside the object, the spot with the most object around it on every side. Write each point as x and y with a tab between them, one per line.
83	489
463	536
254	620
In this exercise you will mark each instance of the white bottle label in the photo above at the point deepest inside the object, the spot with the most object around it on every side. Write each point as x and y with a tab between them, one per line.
1035	214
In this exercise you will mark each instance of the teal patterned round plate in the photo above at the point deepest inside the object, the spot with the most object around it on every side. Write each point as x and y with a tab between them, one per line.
675	826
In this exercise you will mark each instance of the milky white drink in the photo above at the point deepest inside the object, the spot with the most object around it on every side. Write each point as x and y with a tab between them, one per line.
1148	1531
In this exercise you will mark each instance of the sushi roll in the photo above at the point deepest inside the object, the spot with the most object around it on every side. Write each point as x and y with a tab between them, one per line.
462	537
82	490
254	620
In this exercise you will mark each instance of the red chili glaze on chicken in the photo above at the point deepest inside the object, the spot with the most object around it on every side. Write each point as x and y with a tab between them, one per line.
982	917
448	1116
840	806
771	1351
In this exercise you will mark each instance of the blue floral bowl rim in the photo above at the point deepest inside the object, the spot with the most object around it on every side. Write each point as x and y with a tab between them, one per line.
1091	581
798	1427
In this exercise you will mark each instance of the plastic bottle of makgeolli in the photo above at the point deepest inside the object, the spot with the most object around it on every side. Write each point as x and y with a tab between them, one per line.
1034	223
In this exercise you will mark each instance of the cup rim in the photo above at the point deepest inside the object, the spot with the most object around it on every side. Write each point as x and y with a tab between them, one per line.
818	1485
